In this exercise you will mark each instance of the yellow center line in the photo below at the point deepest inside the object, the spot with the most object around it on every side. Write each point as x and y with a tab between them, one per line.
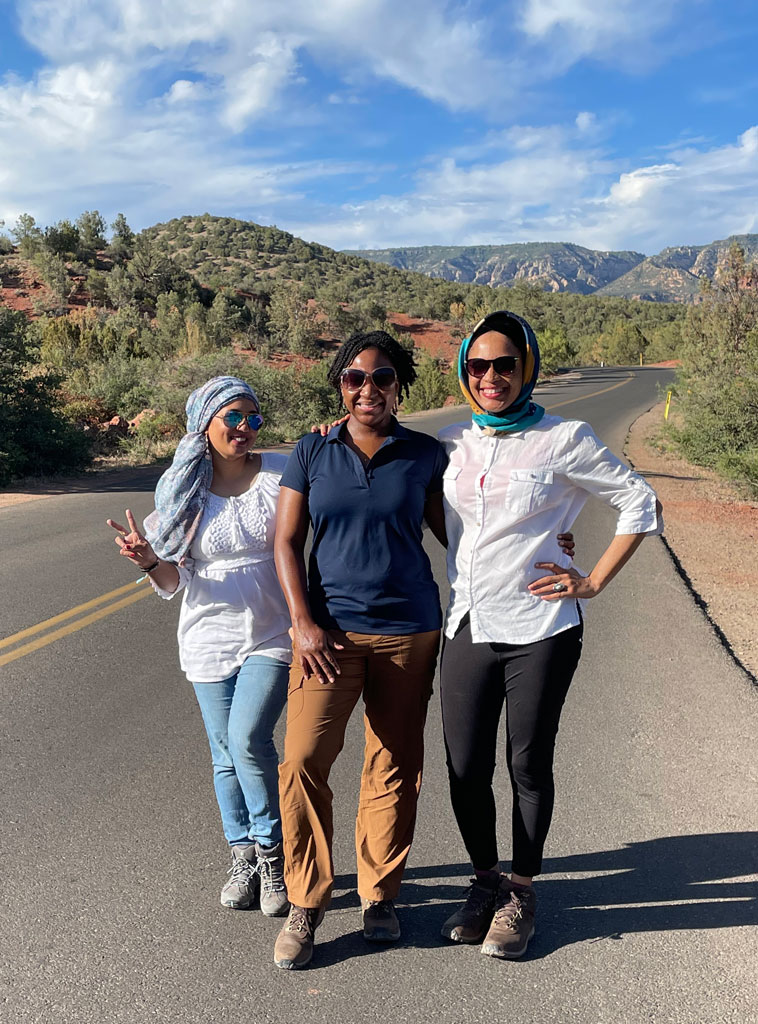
592	394
72	627
8	641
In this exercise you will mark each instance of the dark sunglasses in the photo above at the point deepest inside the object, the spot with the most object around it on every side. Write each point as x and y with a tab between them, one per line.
234	418
504	366
383	378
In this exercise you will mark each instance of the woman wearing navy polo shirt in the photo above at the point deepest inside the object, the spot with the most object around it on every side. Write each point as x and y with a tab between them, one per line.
366	623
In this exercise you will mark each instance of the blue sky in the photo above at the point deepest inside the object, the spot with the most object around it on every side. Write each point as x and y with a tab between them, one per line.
616	124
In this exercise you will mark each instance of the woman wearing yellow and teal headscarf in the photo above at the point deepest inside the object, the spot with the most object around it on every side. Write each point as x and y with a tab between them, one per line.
516	479
522	412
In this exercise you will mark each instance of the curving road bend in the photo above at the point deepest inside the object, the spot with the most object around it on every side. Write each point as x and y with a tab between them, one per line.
111	855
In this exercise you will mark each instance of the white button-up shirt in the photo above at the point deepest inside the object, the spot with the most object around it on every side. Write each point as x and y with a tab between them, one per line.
233	604
506	498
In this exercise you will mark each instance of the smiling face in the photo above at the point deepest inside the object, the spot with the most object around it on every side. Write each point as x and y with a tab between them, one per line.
371	406
236	442
493	392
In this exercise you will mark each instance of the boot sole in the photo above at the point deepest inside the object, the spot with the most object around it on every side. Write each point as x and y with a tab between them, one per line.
237	906
500	954
381	937
290	965
474	941
277	913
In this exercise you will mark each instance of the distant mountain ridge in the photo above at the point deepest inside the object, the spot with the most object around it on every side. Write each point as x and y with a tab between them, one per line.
673	275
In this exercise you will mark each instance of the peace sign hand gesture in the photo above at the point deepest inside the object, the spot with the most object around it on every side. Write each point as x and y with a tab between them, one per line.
133	544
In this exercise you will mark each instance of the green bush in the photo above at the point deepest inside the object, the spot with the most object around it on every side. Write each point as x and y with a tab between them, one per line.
430	389
35	437
718	380
160	425
84	411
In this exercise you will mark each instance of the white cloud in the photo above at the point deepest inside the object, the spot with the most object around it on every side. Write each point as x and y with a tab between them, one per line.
255	88
439	52
66	107
623	31
556	190
184	91
160	108
586	122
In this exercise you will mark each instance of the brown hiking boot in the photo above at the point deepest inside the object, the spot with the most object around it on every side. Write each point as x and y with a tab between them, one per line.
294	944
380	923
513	924
471	920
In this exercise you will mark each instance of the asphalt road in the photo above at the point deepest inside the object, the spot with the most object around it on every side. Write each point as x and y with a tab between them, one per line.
112	857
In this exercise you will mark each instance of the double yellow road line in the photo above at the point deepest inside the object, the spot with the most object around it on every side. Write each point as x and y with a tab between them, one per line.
75	618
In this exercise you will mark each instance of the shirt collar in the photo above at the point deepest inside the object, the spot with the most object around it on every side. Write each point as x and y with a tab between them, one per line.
397	432
482	432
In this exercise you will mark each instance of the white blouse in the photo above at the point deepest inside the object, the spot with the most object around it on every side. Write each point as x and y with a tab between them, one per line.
506	498
233	605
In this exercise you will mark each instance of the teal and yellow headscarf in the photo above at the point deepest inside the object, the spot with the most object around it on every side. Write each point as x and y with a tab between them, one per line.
523	412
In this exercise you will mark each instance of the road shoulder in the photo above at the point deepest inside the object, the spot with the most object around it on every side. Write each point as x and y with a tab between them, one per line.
711	532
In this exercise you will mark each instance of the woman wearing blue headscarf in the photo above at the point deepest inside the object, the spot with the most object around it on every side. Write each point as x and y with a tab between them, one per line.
517	477
212	535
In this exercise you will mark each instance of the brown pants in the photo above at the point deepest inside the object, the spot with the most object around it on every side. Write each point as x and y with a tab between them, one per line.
394	674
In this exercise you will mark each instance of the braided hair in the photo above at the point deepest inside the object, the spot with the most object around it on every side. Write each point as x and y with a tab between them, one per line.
401	359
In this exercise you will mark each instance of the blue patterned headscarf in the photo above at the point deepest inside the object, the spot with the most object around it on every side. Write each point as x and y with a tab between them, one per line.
182	490
523	412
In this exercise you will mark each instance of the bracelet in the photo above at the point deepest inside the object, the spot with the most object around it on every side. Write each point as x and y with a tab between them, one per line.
154	566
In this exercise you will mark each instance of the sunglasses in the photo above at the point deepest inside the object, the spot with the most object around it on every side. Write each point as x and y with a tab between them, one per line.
234	418
503	366
383	378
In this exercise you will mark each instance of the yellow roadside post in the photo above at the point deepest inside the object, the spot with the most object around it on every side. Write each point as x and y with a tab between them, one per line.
668	403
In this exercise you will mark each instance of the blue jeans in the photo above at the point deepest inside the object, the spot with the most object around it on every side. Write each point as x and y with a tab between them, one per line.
239	714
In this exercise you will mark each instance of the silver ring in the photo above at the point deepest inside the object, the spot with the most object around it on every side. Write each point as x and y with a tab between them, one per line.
559	587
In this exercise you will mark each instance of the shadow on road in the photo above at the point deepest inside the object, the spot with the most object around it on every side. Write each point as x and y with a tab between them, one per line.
676	882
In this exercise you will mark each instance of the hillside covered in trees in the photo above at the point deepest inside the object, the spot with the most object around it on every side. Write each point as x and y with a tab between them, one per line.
675	274
107	324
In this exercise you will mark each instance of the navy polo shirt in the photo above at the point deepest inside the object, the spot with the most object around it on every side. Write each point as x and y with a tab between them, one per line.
368	571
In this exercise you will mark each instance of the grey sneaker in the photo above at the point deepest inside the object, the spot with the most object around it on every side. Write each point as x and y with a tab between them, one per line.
294	944
239	891
472	919
270	868
380	923
513	924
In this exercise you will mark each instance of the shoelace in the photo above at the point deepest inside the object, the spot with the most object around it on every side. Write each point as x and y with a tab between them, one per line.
478	897
380	908
299	921
241	870
509	913
271	871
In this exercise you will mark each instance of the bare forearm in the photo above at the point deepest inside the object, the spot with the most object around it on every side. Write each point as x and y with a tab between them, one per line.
570	582
290	568
434	513
614	558
166	576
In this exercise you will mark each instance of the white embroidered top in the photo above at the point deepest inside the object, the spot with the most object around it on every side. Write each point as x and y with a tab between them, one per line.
506	498
233	605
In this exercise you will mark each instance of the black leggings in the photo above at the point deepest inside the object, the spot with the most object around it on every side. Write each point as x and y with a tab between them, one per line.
532	680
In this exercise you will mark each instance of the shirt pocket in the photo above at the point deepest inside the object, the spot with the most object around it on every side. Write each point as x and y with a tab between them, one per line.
529	490
449	486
